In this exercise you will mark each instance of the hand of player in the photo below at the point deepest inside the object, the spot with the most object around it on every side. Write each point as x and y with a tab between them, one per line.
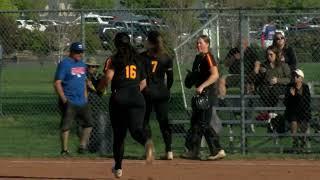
64	100
293	91
274	80
199	90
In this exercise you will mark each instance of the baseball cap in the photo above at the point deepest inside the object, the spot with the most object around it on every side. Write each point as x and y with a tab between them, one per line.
76	46
299	73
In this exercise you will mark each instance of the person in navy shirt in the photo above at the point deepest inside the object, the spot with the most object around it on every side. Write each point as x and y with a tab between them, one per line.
70	85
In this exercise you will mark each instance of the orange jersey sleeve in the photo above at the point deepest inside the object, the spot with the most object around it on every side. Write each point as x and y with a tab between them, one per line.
210	59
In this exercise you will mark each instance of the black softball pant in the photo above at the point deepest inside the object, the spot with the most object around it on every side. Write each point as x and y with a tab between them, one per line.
200	126
161	108
127	109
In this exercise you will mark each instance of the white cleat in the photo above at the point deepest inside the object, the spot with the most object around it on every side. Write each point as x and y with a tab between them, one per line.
220	155
117	173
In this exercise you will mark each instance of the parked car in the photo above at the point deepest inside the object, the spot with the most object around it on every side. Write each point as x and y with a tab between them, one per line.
133	28
49	22
106	35
94	19
30	25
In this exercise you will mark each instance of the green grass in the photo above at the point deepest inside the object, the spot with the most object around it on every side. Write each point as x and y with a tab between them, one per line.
30	120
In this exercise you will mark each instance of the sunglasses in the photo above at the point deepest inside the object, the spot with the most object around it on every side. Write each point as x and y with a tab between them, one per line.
90	66
279	38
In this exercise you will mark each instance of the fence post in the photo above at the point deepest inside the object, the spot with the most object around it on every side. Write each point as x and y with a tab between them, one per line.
83	32
1	82
244	36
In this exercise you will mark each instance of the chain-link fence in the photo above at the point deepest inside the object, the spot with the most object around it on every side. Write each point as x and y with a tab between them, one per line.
251	90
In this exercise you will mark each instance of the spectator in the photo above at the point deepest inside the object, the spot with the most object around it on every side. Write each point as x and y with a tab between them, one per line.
93	77
298	109
101	135
287	53
233	79
70	85
272	78
267	34
205	74
233	63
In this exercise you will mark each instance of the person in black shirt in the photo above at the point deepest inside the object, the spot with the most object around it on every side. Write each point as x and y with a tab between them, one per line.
298	109
288	54
158	64
205	73
127	106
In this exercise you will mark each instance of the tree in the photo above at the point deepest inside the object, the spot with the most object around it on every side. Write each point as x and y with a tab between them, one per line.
262	3
157	3
30	4
93	4
140	3
7	5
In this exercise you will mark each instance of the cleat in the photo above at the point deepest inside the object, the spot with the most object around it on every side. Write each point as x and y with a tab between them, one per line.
220	155
65	153
117	172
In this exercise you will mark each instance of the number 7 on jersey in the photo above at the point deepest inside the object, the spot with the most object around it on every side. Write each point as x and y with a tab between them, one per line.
154	65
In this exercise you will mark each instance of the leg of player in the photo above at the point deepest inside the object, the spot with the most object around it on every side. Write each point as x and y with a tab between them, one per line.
136	119
119	124
146	124
161	109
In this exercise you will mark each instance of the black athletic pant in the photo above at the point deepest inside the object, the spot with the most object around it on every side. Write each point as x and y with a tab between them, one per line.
161	108
200	126
127	109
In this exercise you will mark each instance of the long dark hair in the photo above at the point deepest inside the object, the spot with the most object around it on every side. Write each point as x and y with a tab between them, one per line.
274	42
277	52
155	38
125	54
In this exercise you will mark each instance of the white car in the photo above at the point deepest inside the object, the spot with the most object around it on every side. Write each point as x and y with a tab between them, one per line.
48	22
94	19
30	25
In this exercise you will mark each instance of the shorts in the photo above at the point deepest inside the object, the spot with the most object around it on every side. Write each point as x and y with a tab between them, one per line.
71	112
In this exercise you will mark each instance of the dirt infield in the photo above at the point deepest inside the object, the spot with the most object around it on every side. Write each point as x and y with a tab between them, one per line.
177	169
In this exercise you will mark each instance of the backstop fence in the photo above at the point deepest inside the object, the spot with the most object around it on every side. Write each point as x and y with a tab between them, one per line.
250	103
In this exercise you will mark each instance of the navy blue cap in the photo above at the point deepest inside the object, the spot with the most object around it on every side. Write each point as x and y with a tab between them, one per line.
77	46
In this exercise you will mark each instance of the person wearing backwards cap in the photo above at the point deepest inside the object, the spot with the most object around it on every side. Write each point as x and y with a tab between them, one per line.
298	109
70	85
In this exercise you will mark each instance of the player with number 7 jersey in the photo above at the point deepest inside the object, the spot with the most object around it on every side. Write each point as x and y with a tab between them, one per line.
158	65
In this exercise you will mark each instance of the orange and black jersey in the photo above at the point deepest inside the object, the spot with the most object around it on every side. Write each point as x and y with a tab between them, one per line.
201	67
157	67
125	75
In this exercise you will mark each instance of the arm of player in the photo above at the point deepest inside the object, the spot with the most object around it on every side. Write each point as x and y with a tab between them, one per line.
169	74
214	75
59	89
143	84
106	79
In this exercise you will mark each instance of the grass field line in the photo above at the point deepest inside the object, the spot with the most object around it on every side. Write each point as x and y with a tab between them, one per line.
224	163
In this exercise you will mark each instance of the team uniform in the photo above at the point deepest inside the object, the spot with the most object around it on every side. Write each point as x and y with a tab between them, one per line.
200	120
157	93
72	73
127	105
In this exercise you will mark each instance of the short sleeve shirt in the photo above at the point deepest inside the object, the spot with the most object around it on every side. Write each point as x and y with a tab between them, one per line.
125	75
156	67
202	65
72	73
